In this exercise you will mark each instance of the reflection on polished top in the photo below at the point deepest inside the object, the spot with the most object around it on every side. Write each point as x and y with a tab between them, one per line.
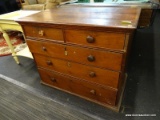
126	1
16	14
87	16
151	4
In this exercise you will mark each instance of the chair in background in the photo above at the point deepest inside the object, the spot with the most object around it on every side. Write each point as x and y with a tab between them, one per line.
42	4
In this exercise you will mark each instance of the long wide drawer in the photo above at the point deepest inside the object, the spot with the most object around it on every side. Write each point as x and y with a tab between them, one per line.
107	40
93	74
99	58
79	87
44	32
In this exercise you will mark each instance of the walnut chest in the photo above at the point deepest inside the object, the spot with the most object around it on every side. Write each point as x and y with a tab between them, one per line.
83	50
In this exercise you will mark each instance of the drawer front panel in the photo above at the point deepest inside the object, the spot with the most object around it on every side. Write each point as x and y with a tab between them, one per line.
44	32
96	39
79	87
92	74
104	59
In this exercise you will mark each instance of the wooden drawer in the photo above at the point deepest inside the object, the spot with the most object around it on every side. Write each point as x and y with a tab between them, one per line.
79	87
100	58
88	73
107	40
43	32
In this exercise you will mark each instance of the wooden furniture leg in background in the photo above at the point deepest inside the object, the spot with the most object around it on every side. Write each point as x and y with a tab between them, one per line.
7	22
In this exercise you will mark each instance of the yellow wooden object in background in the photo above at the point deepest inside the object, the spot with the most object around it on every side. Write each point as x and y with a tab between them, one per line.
7	22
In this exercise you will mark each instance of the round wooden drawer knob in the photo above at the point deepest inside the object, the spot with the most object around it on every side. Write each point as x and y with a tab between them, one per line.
44	49
93	92
91	58
53	80
92	74
49	62
90	39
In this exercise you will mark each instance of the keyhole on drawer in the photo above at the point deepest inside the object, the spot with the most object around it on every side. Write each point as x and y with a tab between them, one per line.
69	64
65	51
41	33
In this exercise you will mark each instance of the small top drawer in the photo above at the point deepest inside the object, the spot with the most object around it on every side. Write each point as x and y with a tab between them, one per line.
97	39
43	32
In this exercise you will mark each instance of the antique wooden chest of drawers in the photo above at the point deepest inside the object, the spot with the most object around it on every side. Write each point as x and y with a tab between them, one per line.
83	50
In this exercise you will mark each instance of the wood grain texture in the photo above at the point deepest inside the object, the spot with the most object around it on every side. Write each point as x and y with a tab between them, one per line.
103	59
108	17
101	39
44	32
101	76
147	7
90	91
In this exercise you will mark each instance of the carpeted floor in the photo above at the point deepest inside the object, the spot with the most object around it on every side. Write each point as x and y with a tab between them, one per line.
17	41
17	103
142	93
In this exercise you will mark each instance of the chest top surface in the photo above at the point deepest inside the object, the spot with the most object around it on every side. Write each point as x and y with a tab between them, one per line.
111	17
